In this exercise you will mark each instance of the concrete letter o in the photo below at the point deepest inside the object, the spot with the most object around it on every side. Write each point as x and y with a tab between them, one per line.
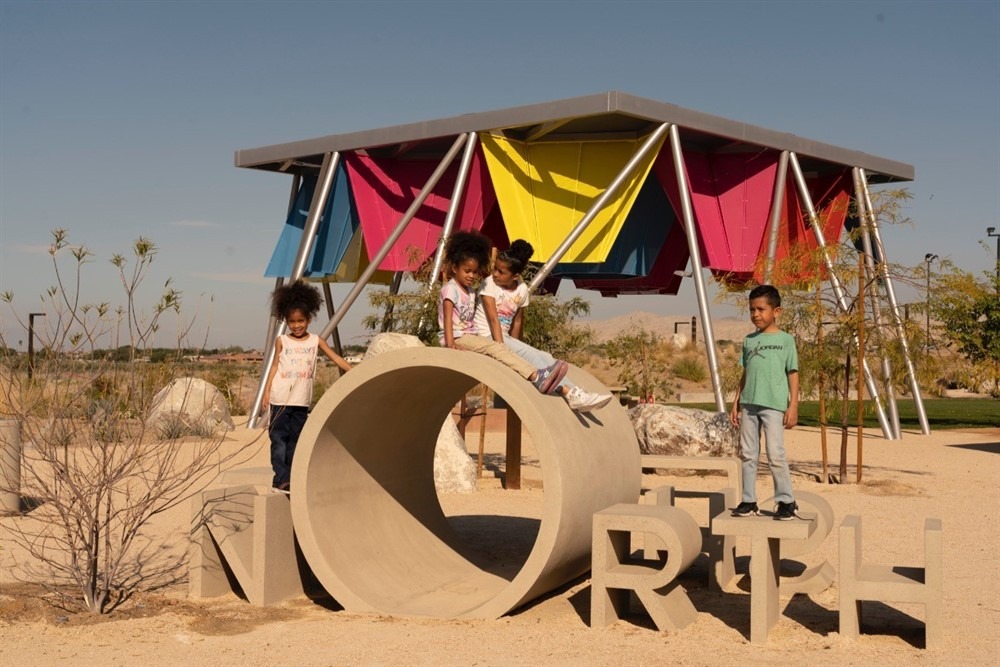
364	506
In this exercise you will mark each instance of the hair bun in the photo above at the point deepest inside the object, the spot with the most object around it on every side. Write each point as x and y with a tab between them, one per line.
521	249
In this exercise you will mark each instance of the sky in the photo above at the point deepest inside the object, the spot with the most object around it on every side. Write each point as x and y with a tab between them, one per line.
119	120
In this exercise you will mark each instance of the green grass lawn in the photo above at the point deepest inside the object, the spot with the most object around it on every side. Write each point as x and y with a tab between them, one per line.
942	413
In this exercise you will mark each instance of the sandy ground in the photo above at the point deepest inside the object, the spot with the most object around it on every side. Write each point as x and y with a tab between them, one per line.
954	475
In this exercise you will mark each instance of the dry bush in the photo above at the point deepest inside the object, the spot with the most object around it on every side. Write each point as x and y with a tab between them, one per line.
92	472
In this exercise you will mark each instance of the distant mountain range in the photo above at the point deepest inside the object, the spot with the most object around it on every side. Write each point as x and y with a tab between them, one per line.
728	328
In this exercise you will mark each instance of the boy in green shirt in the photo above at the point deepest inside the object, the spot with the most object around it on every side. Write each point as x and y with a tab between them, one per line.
769	396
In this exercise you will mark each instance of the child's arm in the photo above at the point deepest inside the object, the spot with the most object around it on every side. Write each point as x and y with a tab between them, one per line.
333	356
517	325
734	412
792	413
270	375
490	308
447	308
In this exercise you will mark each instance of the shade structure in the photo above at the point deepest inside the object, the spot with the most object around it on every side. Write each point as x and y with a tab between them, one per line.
544	189
635	249
796	260
336	228
385	187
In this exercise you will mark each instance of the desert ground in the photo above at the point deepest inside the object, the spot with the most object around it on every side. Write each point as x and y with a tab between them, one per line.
954	475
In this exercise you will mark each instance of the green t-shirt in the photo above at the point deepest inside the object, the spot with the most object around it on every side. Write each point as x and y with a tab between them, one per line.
768	358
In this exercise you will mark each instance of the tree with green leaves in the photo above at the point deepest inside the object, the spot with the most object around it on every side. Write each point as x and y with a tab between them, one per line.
967	308
641	358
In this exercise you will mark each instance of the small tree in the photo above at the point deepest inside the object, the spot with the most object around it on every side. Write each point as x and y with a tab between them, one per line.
641	359
94	474
968	310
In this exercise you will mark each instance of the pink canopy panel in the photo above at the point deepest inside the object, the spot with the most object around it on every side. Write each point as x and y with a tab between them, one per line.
731	199
384	188
796	260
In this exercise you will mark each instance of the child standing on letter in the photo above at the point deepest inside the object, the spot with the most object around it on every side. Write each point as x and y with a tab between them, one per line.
769	395
289	386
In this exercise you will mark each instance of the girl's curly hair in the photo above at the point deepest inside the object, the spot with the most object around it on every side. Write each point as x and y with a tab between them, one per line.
468	245
297	296
517	255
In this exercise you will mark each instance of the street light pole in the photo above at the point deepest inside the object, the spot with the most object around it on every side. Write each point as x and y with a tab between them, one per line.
929	257
31	342
992	233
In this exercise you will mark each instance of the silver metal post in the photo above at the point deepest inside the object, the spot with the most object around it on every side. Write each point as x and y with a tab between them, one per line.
918	401
335	336
774	222
838	290
876	297
598	204
316	206
396	233
456	200
323	186
696	269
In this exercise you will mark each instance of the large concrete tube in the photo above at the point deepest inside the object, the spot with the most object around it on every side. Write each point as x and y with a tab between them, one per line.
364	506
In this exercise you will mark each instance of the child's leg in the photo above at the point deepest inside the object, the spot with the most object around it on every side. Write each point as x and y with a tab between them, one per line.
493	349
279	444
297	415
749	450
534	356
773	422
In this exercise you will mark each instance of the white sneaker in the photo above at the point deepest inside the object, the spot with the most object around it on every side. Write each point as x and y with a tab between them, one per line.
585	401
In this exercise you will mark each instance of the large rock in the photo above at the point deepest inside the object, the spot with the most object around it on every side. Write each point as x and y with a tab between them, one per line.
189	406
673	431
454	470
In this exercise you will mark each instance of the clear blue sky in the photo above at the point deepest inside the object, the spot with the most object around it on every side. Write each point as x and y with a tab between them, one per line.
120	119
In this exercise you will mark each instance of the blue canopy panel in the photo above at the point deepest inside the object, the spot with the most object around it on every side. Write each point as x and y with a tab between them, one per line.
634	251
336	228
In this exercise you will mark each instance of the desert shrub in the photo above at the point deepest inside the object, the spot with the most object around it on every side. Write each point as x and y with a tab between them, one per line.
691	369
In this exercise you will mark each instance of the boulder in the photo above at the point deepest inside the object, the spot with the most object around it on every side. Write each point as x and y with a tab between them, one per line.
454	469
189	406
674	431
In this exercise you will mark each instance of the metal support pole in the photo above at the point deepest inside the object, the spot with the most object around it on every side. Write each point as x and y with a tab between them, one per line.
918	401
876	297
335	336
456	200
396	233
651	141
323	186
696	269
774	222
838	290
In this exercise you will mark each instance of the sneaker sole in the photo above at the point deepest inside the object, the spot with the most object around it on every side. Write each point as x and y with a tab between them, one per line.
553	380
747	514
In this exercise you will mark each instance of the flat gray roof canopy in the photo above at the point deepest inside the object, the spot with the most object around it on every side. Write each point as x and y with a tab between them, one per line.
610	115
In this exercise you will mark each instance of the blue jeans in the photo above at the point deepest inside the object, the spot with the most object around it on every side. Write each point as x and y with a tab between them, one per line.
755	420
286	425
535	357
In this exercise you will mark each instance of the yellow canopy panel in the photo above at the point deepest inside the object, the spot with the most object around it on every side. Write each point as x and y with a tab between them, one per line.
544	189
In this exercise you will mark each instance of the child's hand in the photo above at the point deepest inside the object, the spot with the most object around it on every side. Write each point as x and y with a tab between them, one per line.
791	417
734	415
